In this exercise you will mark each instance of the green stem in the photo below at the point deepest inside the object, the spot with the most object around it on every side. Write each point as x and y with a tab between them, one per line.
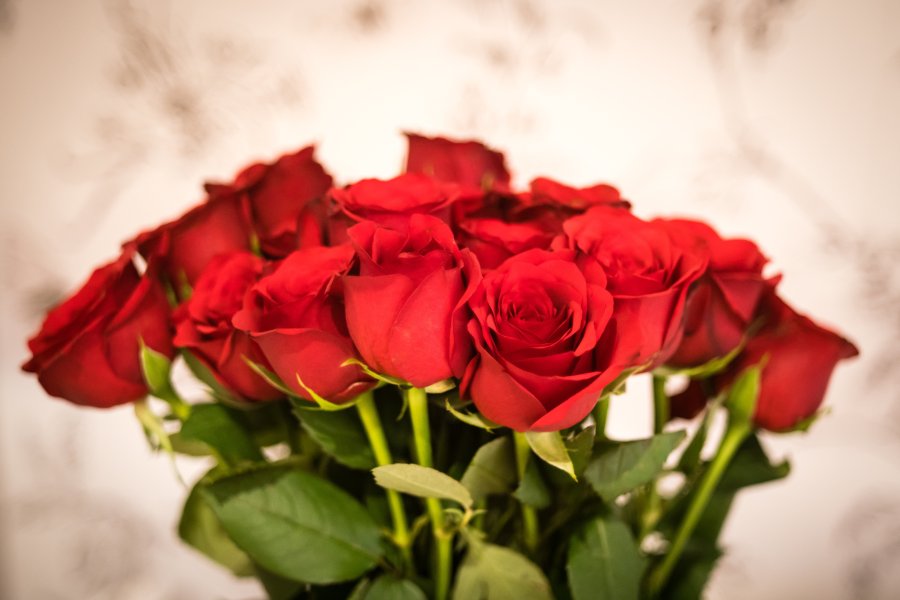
368	414
734	437
660	404
652	508
418	413
529	515
601	415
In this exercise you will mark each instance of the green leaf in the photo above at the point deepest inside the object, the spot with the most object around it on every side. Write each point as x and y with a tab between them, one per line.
604	561
492	470
492	572
581	447
297	525
704	371
340	434
201	529
551	448
156	369
532	490
388	587
741	400
469	418
278	588
627	465
752	466
216	426
324	404
422	481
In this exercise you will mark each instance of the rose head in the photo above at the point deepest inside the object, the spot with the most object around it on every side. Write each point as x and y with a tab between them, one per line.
185	246
88	349
470	164
541	328
495	240
797	357
389	203
648	273
203	325
296	315
721	305
284	199
406	301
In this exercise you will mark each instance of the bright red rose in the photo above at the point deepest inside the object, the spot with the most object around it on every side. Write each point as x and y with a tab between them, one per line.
798	358
543	336
406	304
203	325
549	203
296	315
721	305
88	349
495	240
185	246
649	274
285	201
470	164
389	203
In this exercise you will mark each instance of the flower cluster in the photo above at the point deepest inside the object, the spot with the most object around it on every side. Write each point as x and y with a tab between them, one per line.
506	319
535	301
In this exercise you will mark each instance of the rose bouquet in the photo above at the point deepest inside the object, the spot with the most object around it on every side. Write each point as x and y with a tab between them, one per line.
408	380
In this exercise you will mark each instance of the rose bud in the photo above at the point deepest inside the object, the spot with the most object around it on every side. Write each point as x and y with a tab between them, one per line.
470	164
285	200
296	315
648	273
797	358
88	349
203	325
721	306
406	303
542	333
185	246
389	203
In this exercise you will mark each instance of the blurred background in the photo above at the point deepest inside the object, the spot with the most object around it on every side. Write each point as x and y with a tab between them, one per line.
774	119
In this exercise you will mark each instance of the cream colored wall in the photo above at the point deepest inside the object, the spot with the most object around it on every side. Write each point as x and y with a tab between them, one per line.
776	120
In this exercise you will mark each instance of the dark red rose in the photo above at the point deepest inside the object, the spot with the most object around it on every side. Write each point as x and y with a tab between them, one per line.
406	305
470	164
495	240
88	349
690	402
185	246
721	306
389	203
543	336
649	275
296	315
285	200
203	325
798	357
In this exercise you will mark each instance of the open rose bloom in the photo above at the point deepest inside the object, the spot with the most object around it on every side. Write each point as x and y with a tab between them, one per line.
460	338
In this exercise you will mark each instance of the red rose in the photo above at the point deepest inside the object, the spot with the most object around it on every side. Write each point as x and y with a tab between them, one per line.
648	273
406	304
185	246
203	325
470	164
798	358
389	203
296	315
88	349
284	199
542	334
549	203
495	240
722	304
